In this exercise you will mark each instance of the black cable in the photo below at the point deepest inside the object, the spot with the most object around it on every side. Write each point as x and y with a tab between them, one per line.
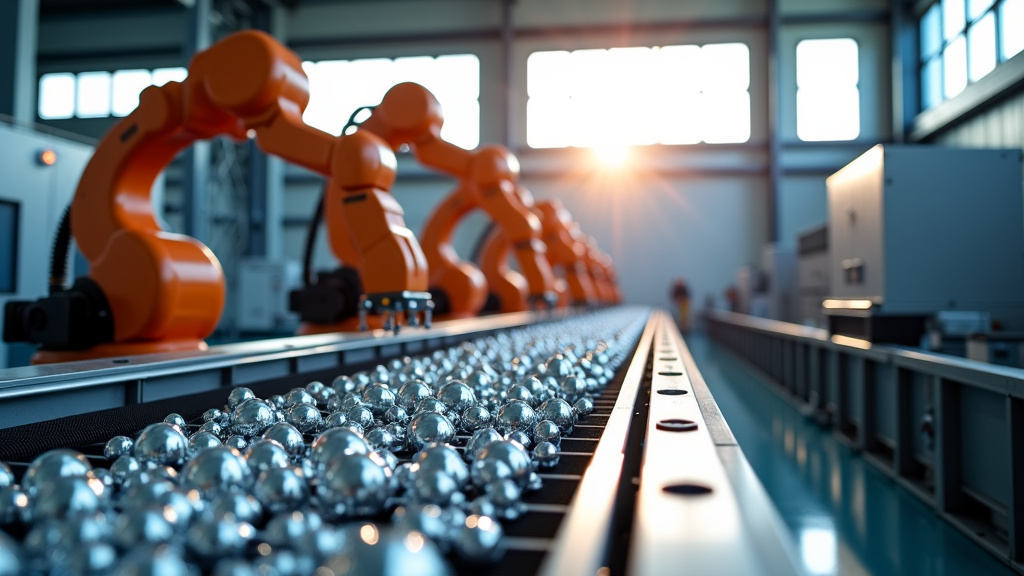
318	215
59	256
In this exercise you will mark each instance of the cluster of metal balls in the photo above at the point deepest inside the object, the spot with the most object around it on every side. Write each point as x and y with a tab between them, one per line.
306	482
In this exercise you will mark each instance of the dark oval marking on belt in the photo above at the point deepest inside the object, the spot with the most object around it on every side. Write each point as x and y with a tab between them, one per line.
670	373
672	392
688	489
676	425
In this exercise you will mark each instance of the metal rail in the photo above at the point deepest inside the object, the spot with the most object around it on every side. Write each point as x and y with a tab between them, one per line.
949	430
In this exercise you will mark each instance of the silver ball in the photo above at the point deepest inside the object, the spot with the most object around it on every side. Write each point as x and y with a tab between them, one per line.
334	443
265	454
378	399
558	411
14	506
52	466
427	519
142	526
584	406
442	458
215	470
276	401
201	440
501	460
298	396
318	391
282	489
573	388
236	442
241	507
216	416
388	552
361	415
238	396
67	497
545	454
456	396
480	540
305	417
290	527
396	414
117	446
380	439
412	393
521	437
211	538
400	433
213	428
12	561
336	420
175	419
233	567
252	417
343	385
287	436
521	393
353	485
475	417
505	495
429	427
6	475
515	416
433	487
546	431
480	438
431	405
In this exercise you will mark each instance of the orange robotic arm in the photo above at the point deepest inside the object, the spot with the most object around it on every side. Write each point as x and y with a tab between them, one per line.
568	250
150	290
409	114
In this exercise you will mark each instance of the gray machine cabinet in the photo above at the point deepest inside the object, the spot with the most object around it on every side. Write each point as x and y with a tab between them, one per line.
921	229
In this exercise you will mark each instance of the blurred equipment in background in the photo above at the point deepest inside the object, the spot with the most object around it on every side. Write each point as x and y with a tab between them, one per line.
680	295
918	230
39	171
812	276
263	295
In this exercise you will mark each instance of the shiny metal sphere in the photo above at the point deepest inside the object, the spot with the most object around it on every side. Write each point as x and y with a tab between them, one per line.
479	380
298	396
353	485
475	417
14	505
482	437
505	495
237	442
479	539
54	465
289	527
334	443
213	428
178	508
237	505
501	460
238	396
361	415
12	560
276	401
162	560
378	399
521	437
233	567
161	443
400	432
428	519
216	470
142	526
287	436
201	440
335	420
412	393
6	475
175	419
388	552
427	428
456	396
343	385
560	412
282	489
521	393
380	439
349	401
67	497
319	391
396	414
265	454
445	459
305	417
211	538
433	487
431	405
572	388
515	416
545	454
117	446
252	417
584	407
216	416
482	506
547	431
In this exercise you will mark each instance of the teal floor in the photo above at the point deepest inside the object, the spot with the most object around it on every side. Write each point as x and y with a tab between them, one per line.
847	518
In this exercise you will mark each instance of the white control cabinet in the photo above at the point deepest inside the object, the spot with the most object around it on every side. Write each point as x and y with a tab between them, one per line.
915	229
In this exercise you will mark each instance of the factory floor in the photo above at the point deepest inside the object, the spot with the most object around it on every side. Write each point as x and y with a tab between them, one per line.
847	518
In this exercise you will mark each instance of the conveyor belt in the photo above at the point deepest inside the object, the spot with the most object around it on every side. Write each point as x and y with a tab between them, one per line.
605	530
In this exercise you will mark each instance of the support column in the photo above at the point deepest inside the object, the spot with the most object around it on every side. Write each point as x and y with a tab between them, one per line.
196	159
906	83
774	136
19	29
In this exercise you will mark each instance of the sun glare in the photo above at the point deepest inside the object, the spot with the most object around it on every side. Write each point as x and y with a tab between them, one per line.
611	155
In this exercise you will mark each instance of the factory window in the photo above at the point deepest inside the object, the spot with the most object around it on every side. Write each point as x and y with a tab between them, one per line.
98	94
339	87
962	41
827	97
638	96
